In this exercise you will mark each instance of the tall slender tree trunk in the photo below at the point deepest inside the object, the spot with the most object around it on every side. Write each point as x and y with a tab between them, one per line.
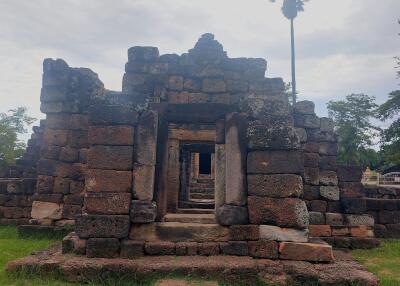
293	62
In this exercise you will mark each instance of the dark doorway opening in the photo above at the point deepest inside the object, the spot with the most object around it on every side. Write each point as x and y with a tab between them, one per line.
205	163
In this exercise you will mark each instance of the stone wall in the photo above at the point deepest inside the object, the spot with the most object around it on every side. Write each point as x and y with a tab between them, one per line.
109	161
65	98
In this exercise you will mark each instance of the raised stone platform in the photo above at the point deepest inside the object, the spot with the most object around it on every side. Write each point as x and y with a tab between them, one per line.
345	271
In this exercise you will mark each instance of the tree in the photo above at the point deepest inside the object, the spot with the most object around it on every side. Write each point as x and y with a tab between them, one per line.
12	124
391	136
352	119
290	9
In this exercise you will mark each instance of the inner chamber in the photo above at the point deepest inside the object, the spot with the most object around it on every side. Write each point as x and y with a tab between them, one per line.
197	175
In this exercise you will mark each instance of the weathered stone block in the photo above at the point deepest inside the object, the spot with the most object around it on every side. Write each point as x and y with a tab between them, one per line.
389	217
349	173
50	152
351	190
320	230
76	187
57	121
112	115
327	149
186	248
143	211
107	203
132	248
55	137
271	232
356	220
175	82
73	244
46	210
44	184
73	199
213	85
328	178
382	204
307	121
110	157
311	176
318	206
310	192
209	248
143	182
304	107
115	226
79	122
237	248
111	135
108	181
53	93
232	215
330	192
287	212
160	248
235	154
102	248
317	218
274	162
340	231
327	124
327	163
146	138
263	137
244	232
61	185
311	160
140	54
361	231
364	243
311	147
354	205
334	219
68	154
78	138
71	211
305	252
301	134
263	249
179	232
276	186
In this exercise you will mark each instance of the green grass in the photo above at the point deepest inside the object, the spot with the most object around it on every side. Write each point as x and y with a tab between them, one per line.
383	261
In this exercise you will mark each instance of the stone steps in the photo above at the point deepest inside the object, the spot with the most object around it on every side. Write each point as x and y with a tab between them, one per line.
202	185
202	190
202	204
179	232
194	211
190	218
201	196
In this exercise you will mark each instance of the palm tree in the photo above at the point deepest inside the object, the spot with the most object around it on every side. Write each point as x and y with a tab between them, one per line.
290	9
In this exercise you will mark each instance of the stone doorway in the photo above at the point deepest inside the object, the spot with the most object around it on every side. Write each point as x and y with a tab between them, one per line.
197	176
189	168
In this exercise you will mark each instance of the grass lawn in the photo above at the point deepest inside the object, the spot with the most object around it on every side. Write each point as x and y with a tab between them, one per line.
383	261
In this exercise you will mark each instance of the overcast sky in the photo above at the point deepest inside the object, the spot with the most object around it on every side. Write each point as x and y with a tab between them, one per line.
343	46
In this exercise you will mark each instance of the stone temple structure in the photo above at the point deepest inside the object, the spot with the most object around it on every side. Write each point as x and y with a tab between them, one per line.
199	154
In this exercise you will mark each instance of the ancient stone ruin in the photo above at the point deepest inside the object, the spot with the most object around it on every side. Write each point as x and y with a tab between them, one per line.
199	154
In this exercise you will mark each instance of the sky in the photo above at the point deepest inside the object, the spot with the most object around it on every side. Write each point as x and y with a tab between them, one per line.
342	46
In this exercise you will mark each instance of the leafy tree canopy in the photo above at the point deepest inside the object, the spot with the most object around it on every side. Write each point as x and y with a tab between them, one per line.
290	8
356	132
12	124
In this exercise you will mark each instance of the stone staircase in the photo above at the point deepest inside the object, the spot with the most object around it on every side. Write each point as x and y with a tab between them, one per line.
201	195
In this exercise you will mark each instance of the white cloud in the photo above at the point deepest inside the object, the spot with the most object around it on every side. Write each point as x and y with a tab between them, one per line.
342	46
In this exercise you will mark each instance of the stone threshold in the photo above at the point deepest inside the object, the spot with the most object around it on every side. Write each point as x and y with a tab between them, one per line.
73	268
